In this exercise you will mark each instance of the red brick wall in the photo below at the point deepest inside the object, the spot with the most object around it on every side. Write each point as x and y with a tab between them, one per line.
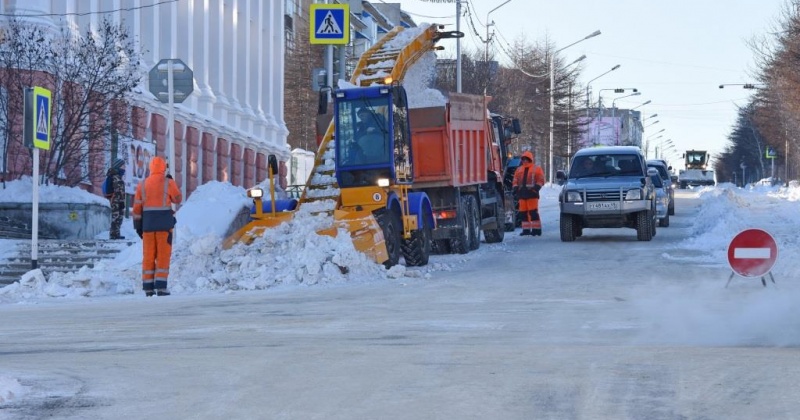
236	163
249	167
223	161
192	158
261	167
209	157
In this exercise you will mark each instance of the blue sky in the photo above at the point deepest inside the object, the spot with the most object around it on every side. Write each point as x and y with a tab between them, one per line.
676	53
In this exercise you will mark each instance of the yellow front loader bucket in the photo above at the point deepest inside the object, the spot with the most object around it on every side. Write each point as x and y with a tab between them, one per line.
363	227
365	232
255	228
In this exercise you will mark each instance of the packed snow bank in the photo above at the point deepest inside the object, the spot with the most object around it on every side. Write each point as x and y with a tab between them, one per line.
21	191
292	254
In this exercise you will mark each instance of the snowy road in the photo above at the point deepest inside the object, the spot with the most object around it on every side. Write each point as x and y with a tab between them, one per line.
606	327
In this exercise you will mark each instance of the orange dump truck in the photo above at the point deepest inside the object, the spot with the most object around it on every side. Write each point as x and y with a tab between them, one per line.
458	163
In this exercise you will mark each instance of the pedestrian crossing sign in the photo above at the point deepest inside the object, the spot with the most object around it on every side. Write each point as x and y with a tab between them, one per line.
41	118
330	23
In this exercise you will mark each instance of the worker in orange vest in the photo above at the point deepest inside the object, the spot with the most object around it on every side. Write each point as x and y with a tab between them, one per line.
154	219
528	180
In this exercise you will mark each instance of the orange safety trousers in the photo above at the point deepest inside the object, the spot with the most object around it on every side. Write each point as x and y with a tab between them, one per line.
157	250
529	207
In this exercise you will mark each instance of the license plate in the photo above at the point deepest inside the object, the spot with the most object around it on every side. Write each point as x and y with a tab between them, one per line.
602	205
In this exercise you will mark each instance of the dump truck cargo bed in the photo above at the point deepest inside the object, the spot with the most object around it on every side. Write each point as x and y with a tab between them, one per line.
450	142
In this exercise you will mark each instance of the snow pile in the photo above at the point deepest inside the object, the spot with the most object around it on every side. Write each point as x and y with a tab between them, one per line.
405	37
701	311
418	80
21	191
291	254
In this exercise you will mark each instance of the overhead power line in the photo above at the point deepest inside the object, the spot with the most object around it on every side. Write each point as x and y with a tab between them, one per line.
426	16
122	9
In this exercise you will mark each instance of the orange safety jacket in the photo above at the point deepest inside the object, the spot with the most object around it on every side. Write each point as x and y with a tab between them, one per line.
154	198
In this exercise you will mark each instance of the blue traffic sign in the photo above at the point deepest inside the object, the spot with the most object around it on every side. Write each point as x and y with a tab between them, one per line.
330	23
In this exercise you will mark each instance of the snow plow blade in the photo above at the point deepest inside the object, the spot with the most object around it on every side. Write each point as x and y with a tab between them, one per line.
365	232
255	229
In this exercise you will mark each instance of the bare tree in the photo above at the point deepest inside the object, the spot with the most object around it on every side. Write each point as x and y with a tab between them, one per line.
89	75
22	47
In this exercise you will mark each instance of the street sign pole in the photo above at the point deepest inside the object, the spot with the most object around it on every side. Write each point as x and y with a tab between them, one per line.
36	114
171	82
171	119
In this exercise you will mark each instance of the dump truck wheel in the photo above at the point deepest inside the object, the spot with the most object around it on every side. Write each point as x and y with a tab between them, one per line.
460	244
417	249
441	246
474	223
496	235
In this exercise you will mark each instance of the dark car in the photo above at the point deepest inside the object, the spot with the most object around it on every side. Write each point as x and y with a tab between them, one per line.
664	172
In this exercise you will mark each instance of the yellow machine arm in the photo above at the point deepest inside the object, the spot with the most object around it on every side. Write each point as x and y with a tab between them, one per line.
390	55
385	57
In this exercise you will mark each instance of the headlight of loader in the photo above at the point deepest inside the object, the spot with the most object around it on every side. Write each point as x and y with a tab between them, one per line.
574	196
383	182
635	194
255	193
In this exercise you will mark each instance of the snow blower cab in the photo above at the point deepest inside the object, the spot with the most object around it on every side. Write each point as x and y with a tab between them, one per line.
372	137
374	170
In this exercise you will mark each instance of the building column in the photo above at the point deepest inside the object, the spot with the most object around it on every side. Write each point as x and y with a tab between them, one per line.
202	54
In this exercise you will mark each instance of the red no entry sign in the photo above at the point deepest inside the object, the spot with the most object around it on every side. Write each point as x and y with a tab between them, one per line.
752	253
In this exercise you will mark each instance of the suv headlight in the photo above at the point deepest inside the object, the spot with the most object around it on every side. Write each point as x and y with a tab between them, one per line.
635	194
574	196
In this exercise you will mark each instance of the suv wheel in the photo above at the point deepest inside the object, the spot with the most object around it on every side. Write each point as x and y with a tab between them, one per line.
567	227
644	228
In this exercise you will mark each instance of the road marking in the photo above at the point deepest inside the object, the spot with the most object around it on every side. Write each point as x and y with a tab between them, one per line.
761	253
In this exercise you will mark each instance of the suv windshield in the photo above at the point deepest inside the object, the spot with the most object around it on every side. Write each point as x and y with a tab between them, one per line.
605	165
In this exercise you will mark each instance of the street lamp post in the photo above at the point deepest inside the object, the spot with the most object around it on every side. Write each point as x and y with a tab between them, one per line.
552	98
488	24
590	83
647	140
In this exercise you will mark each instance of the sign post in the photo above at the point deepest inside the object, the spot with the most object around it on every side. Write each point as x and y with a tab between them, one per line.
752	253
36	134
330	24
171	81
771	154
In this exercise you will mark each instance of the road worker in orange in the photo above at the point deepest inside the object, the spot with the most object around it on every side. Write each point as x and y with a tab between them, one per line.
528	180
154	219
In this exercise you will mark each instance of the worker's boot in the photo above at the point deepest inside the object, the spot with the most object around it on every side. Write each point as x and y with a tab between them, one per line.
161	288
525	232
536	232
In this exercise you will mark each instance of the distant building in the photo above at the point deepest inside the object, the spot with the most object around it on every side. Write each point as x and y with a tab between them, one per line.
612	127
